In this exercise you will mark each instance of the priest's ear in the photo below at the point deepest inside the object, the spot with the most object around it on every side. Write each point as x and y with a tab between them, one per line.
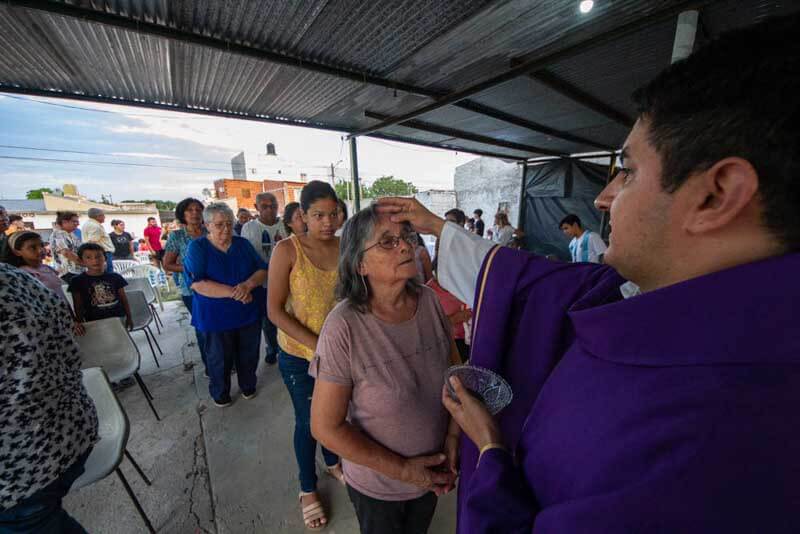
724	194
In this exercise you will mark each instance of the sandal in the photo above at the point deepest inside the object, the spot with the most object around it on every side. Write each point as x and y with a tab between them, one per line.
336	472
313	512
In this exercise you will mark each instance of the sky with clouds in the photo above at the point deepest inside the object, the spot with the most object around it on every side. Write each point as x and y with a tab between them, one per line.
138	153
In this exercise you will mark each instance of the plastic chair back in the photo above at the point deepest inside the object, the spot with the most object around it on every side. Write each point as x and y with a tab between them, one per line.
112	428
140	310
122	266
107	344
67	294
143	285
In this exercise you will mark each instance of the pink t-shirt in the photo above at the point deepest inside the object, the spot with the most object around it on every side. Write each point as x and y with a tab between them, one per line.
48	277
450	305
396	372
153	235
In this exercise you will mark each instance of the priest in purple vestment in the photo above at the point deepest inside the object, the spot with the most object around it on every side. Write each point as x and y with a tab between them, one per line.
659	393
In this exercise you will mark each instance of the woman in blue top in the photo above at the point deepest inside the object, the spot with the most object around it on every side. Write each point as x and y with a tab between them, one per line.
227	276
188	212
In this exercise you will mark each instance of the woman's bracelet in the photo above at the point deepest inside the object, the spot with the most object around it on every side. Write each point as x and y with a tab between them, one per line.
487	447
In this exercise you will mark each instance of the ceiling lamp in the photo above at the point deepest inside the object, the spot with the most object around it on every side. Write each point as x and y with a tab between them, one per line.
586	6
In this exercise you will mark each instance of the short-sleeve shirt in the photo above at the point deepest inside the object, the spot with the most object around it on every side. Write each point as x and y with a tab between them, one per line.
99	295
204	261
262	236
479	227
153	236
396	372
61	240
48	277
122	245
47	420
587	248
178	243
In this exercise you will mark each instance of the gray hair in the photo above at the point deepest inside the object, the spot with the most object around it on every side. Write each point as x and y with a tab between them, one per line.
214	208
265	196
94	213
351	285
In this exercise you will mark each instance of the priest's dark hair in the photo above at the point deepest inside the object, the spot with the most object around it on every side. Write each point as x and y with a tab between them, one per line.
316	190
737	96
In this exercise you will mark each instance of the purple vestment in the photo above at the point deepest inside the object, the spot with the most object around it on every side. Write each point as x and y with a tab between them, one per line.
672	411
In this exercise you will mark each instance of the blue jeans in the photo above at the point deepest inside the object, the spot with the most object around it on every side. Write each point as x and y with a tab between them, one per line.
300	384
223	350
42	512
109	262
271	340
201	337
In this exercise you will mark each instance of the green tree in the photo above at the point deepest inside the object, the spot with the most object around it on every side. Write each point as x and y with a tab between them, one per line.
344	190
35	194
389	186
163	205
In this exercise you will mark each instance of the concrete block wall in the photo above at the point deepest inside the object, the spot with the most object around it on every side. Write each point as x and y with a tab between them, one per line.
438	201
485	183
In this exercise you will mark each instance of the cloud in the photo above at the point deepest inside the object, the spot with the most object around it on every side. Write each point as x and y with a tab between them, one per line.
143	155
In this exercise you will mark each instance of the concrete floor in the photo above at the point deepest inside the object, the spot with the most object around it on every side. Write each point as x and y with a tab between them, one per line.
213	470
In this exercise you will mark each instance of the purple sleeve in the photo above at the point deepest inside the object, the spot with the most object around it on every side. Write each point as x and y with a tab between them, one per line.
498	499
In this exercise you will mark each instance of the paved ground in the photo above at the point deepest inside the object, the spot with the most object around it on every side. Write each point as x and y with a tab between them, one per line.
213	470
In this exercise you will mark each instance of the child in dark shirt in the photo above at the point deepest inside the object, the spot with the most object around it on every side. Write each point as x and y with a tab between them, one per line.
98	294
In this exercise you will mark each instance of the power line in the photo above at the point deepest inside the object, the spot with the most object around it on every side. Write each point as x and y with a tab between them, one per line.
113	163
38	149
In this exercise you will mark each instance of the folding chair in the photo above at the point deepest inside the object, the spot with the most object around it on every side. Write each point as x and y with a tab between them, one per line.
142	317
143	285
107	344
123	266
113	429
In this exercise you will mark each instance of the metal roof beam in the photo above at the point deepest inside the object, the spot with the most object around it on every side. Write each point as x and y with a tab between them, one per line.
487	153
583	98
469	136
540	62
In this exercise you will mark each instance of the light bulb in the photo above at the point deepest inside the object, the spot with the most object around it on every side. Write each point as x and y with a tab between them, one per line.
586	6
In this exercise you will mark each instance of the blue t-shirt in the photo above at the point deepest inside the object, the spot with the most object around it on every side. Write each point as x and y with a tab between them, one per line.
178	242
203	261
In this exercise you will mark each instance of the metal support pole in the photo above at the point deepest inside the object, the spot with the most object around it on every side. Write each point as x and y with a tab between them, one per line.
354	174
684	35
521	213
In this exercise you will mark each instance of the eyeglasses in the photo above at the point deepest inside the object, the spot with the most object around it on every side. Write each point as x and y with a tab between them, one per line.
391	242
221	225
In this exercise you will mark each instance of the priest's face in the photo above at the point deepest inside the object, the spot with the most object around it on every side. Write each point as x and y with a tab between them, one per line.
641	213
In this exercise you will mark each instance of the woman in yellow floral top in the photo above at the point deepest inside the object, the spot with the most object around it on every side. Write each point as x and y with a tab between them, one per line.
302	278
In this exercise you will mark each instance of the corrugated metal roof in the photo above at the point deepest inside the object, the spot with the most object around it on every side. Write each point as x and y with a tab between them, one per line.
150	52
18	206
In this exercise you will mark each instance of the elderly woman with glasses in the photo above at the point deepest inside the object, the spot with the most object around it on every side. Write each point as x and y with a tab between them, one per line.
227	277
380	364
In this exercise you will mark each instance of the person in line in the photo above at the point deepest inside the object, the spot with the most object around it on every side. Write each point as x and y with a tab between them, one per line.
585	245
293	219
97	293
93	232
243	216
122	241
15	224
478	222
502	232
64	245
189	213
342	216
4	222
48	422
470	226
423	261
264	232
302	280
380	364
153	235
675	409
227	277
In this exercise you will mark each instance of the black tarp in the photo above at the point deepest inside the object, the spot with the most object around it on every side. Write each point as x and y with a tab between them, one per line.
553	190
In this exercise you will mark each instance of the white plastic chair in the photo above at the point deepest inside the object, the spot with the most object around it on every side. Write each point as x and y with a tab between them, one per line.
113	429
144	285
142	316
67	294
122	266
107	344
